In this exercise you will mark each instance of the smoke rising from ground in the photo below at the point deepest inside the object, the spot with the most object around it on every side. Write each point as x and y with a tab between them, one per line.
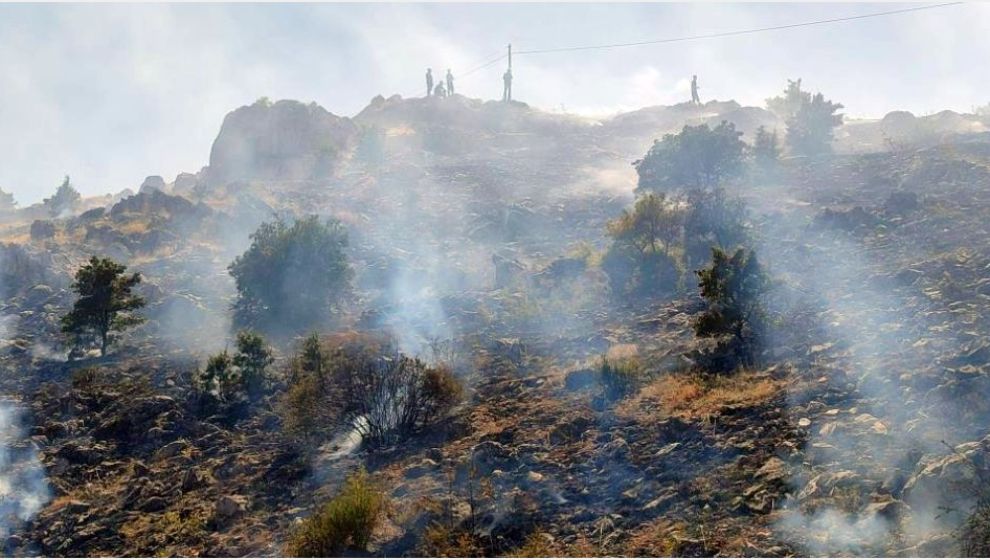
24	489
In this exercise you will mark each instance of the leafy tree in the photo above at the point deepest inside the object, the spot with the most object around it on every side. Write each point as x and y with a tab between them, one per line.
794	98
291	275
810	130
697	157
734	288
106	302
642	241
766	150
652	226
65	199
713	219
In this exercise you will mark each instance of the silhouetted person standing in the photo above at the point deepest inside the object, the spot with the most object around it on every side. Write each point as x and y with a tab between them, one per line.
694	91
429	81
450	83
507	85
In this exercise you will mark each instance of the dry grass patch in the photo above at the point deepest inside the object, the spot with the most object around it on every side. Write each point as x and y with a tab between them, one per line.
692	396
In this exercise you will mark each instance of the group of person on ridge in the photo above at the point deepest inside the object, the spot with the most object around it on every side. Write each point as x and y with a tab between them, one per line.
440	91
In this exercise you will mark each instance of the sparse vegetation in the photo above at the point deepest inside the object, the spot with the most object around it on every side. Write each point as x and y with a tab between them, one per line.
292	277
734	288
810	130
346	523
106	303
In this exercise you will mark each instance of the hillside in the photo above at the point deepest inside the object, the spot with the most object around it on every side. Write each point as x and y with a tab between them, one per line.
478	236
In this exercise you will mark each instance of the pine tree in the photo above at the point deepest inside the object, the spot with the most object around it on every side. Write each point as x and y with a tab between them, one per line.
106	302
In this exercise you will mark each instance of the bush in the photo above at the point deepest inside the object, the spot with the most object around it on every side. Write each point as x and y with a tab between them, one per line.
620	377
766	150
345	523
810	130
241	376
734	288
697	157
291	275
366	383
714	219
640	258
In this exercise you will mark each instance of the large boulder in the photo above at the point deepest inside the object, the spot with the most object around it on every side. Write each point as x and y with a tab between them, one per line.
287	140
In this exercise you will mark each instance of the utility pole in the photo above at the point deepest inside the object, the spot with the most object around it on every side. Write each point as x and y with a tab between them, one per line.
507	92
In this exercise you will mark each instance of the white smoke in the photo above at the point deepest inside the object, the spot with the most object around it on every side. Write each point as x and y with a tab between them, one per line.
24	488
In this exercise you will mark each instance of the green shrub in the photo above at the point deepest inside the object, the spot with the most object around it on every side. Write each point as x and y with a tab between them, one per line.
346	522
734	288
244	374
292	276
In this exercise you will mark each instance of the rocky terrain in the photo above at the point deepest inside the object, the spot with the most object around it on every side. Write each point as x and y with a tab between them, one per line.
865	435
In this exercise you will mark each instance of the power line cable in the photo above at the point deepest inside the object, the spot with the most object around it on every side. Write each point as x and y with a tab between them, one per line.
739	32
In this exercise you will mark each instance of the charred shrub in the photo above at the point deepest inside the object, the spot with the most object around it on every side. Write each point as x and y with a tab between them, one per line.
734	288
345	523
368	384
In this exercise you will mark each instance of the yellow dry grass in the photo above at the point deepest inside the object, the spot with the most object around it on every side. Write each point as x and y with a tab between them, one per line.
691	397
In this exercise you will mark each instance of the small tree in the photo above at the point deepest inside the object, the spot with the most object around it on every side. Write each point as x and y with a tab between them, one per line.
794	98
734	288
810	130
697	157
766	150
65	199
713	219
653	225
642	241
291	275
106	302
243	374
252	359
218	377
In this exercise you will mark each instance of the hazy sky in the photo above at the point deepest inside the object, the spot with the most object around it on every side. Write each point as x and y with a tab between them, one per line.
112	93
